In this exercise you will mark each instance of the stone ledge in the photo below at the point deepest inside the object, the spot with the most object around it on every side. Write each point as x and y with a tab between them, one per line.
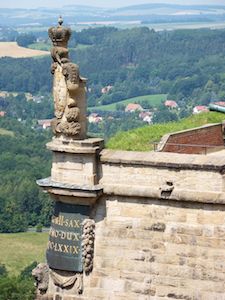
90	193
86	146
164	160
155	193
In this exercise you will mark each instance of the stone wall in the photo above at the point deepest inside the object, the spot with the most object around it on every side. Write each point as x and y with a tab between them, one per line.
152	249
151	245
209	138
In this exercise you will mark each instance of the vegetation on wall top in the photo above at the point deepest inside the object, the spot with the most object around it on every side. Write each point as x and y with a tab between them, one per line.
143	139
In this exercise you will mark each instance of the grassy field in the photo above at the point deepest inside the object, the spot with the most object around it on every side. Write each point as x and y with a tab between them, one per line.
19	250
153	100
40	46
141	139
6	132
11	49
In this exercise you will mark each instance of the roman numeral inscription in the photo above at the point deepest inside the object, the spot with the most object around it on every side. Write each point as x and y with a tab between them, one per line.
63	248
64	251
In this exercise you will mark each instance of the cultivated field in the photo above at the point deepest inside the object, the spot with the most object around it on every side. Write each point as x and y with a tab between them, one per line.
11	49
19	250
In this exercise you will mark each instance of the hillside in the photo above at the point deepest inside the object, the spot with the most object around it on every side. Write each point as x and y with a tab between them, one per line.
184	64
86	14
142	139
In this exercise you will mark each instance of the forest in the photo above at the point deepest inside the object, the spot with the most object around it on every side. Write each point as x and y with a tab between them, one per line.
188	65
23	160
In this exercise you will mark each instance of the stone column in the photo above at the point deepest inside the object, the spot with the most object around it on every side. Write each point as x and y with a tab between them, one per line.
73	184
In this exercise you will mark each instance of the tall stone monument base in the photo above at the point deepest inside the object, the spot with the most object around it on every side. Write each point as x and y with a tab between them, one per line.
74	187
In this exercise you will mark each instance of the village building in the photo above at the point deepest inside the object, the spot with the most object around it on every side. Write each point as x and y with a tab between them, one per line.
45	123
29	96
106	89
219	103
171	104
94	118
38	99
133	107
199	109
146	116
4	94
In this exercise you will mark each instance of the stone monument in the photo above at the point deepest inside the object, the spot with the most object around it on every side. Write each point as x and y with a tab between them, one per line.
73	184
127	225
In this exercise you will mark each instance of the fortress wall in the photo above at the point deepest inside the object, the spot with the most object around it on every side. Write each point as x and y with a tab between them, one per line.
186	141
155	247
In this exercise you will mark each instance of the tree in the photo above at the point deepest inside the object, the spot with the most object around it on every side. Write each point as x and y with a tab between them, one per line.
26	39
3	270
15	288
26	273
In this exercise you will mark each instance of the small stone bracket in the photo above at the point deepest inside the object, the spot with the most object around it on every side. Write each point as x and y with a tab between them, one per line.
166	190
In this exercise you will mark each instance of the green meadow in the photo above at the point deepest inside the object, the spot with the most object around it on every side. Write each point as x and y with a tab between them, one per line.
19	250
153	100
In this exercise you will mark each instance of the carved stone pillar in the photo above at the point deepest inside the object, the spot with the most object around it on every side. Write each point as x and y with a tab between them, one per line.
73	184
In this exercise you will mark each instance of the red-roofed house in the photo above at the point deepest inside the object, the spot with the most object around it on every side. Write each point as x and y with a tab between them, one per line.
219	103
106	89
199	109
171	104
45	123
2	113
94	118
132	107
146	116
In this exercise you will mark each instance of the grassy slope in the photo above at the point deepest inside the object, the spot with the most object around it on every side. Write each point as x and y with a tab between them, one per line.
154	100
140	139
19	250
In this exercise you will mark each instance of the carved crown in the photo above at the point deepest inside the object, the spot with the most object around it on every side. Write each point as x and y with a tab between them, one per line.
59	35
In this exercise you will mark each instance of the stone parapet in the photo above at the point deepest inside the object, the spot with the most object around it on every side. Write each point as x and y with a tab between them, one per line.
166	160
180	177
205	139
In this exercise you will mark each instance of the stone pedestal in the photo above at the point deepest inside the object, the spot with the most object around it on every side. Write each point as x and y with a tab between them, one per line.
74	186
75	162
74	176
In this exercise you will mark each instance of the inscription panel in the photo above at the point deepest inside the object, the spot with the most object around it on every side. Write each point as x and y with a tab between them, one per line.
64	251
